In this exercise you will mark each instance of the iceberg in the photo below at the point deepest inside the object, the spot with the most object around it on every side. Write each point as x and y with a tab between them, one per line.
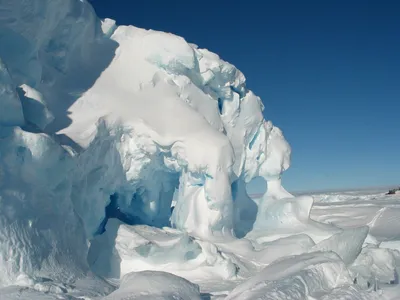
85	133
125	153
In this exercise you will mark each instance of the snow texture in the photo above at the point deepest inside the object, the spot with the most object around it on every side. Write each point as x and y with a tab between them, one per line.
125	152
150	285
10	106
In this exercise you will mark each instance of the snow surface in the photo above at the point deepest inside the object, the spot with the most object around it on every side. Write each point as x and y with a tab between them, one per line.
124	158
155	286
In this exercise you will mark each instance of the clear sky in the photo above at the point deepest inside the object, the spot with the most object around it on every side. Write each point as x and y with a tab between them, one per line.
328	73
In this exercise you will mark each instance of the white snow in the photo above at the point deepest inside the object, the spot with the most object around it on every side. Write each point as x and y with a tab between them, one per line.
34	107
125	153
155	286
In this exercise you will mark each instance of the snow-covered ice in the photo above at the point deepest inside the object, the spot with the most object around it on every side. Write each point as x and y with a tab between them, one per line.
124	159
154	286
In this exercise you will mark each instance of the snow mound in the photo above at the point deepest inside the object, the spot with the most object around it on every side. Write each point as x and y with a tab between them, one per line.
375	265
155	286
27	288
136	248
298	277
347	244
282	215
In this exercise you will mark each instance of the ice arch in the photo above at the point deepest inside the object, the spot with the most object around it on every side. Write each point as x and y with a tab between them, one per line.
145	178
257	187
108	110
187	115
246	198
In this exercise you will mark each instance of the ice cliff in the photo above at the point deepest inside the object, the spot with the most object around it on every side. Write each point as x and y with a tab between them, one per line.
99	121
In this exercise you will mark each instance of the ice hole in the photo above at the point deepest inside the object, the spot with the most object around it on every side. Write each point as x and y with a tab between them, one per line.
245	198
113	211
256	188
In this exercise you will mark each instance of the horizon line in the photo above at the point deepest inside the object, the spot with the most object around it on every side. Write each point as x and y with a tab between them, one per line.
332	190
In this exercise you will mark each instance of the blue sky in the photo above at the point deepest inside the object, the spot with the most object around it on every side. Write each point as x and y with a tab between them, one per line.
328	73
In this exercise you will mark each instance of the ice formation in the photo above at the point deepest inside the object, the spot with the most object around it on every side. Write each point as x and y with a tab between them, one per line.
124	150
83	129
150	285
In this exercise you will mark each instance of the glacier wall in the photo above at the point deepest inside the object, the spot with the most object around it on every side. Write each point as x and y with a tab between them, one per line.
89	110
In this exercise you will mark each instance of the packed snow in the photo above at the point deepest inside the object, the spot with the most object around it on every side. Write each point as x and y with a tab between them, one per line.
124	159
